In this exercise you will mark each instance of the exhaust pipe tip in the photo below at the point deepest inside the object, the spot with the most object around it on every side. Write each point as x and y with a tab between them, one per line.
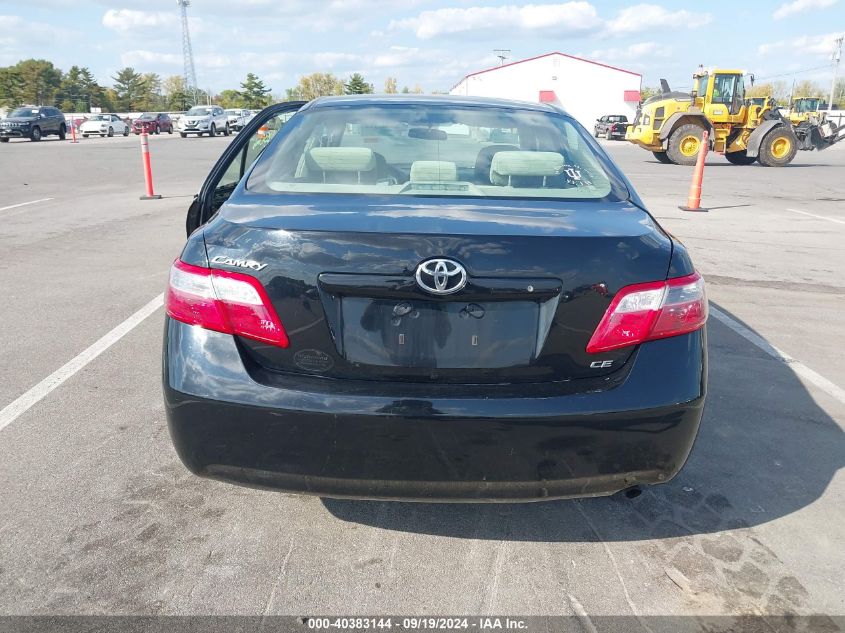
633	492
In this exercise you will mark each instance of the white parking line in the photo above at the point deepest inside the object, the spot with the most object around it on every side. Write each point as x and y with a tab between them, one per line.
23	204
22	403
796	366
820	217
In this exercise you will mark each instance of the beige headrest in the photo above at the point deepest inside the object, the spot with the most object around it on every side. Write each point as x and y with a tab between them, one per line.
506	164
348	159
433	170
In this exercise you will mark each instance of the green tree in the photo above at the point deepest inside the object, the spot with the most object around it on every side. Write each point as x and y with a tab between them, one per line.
406	90
390	86
254	93
646	92
357	85
174	93
315	85
149	96
777	90
129	89
807	88
231	99
11	87
40	81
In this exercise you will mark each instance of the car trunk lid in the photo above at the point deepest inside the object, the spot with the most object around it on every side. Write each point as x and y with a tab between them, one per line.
341	273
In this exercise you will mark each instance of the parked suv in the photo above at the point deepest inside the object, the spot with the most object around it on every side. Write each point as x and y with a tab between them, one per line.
611	126
153	123
33	122
237	118
200	120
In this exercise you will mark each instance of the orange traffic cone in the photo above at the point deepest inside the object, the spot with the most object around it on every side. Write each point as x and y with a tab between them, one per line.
694	197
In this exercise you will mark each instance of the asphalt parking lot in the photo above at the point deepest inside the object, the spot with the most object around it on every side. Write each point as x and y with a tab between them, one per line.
98	516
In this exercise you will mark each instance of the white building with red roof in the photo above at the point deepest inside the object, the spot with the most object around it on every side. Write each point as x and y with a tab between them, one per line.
584	88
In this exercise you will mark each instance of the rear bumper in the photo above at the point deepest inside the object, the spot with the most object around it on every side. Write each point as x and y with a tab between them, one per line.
431	442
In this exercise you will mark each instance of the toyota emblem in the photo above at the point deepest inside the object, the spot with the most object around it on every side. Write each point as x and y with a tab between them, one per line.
441	276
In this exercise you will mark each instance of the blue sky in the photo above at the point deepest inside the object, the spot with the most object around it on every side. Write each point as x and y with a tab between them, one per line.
431	43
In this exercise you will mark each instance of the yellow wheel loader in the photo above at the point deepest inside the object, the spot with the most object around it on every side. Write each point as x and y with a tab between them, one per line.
804	109
670	125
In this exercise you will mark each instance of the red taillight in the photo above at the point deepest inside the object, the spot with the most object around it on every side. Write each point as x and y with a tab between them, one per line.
653	310
223	301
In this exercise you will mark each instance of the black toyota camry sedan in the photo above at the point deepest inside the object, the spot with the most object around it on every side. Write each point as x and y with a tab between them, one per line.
432	299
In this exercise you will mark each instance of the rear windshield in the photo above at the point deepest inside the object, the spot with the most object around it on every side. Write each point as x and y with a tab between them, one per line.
426	150
621	118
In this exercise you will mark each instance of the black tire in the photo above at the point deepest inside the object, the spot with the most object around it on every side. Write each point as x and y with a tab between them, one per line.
126	131
212	131
158	130
183	135
596	132
4	140
740	158
84	136
111	132
35	135
226	131
662	157
62	132
608	136
778	148
680	150
170	131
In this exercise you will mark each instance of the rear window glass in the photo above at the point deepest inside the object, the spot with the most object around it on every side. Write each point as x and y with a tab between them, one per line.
425	150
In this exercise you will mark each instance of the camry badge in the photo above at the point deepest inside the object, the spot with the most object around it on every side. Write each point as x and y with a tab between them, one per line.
441	276
239	263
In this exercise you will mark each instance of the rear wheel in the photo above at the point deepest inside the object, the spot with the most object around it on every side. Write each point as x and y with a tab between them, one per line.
111	132
62	132
126	130
778	148
35	135
684	144
740	158
662	157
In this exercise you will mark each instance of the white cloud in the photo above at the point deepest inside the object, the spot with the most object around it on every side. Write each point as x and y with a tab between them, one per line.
545	19
799	6
123	20
642	51
817	45
146	59
648	17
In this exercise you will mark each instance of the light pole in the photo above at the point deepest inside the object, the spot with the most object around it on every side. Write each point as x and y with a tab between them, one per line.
837	55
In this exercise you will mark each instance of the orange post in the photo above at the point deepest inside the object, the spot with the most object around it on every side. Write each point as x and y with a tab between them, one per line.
694	197
73	130
148	172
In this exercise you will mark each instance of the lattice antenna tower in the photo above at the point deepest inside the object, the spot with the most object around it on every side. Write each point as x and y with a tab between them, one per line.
190	71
